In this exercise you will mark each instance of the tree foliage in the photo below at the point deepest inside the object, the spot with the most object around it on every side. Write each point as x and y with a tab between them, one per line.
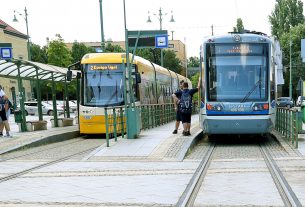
193	62
171	61
39	54
79	50
58	53
113	48
295	35
239	26
286	14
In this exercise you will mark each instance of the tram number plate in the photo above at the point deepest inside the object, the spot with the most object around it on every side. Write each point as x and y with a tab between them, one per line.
87	117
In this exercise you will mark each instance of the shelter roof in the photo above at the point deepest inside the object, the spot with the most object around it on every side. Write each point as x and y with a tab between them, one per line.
9	69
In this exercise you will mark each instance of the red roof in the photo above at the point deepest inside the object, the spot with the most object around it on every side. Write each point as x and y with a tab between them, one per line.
10	29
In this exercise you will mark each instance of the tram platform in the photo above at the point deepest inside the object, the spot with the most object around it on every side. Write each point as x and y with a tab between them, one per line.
157	144
154	144
35	138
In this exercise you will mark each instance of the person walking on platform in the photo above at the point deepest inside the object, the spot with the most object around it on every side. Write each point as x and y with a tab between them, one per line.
4	107
178	114
185	106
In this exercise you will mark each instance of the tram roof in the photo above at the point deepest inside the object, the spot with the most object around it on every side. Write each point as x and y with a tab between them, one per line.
121	57
244	38
9	69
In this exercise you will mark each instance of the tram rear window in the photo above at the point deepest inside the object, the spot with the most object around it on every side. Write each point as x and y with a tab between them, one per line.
236	49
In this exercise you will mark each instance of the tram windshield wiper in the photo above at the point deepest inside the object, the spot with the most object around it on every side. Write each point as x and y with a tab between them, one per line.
258	83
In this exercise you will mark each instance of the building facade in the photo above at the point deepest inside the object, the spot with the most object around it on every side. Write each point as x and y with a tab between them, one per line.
18	41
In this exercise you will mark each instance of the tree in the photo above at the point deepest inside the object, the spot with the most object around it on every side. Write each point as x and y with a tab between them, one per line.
193	62
295	35
39	54
79	50
172	62
239	26
58	53
113	48
286	14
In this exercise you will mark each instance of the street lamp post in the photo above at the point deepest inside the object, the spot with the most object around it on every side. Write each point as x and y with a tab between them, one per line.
290	70
102	27
160	18
25	16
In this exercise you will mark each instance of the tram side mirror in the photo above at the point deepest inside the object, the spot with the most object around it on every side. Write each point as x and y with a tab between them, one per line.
138	77
69	75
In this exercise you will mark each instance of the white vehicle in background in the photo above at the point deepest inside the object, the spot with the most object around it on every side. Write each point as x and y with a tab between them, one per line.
31	108
62	105
298	103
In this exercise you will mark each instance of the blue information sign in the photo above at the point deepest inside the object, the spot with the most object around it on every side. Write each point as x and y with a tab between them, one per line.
6	52
161	41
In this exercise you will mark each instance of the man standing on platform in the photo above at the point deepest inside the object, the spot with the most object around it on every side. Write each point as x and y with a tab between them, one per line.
184	98
178	115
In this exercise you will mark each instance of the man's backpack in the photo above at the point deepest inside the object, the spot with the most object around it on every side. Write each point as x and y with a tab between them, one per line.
185	102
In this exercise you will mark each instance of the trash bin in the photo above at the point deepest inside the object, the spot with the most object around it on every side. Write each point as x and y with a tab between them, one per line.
303	111
18	116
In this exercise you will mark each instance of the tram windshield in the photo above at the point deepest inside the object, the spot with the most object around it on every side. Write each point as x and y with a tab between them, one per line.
103	85
237	72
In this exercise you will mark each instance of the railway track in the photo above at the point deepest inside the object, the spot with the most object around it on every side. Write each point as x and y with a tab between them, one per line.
189	196
7	157
15	175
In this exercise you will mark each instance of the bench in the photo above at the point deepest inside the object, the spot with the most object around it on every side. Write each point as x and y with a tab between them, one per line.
36	125
62	122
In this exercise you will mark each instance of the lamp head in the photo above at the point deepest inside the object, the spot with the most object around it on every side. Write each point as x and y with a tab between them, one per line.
15	18
148	20
172	18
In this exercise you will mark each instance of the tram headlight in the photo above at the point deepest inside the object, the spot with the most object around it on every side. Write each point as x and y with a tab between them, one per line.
214	107
260	106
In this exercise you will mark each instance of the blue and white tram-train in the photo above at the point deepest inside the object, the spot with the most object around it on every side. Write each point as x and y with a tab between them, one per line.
238	80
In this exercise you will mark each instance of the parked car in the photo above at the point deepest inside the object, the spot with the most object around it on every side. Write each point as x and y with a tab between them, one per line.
31	107
298	103
285	102
62	104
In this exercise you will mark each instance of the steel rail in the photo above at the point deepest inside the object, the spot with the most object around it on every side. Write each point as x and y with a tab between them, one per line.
189	195
15	175
31	153
287	194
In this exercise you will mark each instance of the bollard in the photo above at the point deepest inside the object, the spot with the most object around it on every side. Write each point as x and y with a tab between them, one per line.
107	125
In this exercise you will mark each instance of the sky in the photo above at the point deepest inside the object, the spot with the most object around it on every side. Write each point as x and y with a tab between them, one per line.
80	19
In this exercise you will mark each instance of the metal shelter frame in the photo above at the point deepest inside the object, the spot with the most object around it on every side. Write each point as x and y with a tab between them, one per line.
34	71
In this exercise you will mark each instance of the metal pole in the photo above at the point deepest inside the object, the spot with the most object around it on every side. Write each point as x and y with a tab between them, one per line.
21	99
160	19
290	71
102	27
54	102
27	32
127	61
38	96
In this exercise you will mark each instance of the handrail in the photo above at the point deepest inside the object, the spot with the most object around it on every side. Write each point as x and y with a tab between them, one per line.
152	115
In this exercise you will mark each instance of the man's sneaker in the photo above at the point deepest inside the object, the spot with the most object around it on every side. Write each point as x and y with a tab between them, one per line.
1	134
185	133
188	133
8	135
175	131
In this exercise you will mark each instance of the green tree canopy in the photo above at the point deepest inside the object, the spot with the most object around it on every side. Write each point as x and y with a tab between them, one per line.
286	14
79	50
113	48
171	61
239	26
193	62
58	53
39	54
295	35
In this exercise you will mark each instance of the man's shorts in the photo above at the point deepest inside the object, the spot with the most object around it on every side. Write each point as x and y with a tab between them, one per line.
178	116
186	117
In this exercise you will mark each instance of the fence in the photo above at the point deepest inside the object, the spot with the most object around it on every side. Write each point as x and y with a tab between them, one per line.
152	115
289	124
